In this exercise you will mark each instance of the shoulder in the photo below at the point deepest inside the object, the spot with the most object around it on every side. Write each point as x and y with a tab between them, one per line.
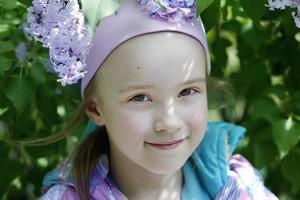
59	184
60	192
228	176
244	182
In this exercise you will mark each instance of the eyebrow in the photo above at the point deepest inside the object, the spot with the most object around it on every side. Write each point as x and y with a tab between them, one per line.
135	87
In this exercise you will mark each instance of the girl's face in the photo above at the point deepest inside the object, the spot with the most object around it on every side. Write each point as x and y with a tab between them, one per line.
152	89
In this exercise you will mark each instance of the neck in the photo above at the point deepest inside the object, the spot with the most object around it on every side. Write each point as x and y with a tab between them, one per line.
136	182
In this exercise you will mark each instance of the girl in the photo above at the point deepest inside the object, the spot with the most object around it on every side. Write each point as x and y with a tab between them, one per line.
145	92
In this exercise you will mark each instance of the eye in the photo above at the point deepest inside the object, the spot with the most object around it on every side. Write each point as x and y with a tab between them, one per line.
140	97
188	91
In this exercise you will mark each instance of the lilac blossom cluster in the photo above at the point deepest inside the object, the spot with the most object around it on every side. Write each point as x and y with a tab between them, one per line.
282	4
60	26
170	10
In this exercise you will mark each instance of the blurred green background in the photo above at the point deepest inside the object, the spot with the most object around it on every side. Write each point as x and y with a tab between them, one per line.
254	49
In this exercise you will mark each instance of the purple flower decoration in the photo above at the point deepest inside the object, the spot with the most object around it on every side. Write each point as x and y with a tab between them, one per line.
282	4
59	25
170	10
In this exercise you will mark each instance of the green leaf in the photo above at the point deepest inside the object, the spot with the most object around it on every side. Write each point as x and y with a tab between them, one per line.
219	49
95	10
26	2
6	109
290	169
9	4
3	110
254	37
6	46
286	134
254	8
265	153
9	169
211	15
202	5
19	91
270	112
38	72
5	64
47	113
296	103
236	8
293	75
4	30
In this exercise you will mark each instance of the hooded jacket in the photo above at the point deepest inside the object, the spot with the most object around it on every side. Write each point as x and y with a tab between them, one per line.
211	172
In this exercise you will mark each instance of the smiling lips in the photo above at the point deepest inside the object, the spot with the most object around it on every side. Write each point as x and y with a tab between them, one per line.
167	145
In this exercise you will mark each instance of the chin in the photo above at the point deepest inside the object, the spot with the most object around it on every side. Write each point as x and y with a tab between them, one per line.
167	167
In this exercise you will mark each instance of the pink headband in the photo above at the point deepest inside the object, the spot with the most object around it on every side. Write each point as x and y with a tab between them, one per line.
60	26
130	21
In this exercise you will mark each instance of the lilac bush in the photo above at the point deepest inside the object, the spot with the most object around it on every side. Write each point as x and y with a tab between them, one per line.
59	25
282	4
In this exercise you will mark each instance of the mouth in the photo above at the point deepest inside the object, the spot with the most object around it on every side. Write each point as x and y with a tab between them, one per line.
167	145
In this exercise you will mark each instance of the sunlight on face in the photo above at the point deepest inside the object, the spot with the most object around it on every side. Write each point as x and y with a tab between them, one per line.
153	90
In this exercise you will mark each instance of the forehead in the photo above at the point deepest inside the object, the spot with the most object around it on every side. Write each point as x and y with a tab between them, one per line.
160	58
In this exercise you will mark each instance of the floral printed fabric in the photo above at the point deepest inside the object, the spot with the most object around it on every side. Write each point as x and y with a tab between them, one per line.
59	184
244	183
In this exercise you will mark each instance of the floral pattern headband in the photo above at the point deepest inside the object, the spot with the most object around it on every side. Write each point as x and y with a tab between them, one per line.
171	11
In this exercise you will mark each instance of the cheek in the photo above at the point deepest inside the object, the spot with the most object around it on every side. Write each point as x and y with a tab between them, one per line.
130	125
199	115
197	120
135	125
128	133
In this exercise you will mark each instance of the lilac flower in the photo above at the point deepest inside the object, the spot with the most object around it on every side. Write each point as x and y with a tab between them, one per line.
170	10
59	25
297	18
282	4
21	51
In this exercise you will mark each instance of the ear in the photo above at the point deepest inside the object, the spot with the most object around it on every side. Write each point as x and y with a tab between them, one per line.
94	112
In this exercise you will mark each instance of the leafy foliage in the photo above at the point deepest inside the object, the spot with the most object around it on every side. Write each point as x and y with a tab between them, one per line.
254	49
96	10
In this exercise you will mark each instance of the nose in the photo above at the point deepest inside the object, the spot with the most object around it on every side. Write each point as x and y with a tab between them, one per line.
167	120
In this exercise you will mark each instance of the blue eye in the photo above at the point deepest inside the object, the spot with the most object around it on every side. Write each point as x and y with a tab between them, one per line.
188	91
140	97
